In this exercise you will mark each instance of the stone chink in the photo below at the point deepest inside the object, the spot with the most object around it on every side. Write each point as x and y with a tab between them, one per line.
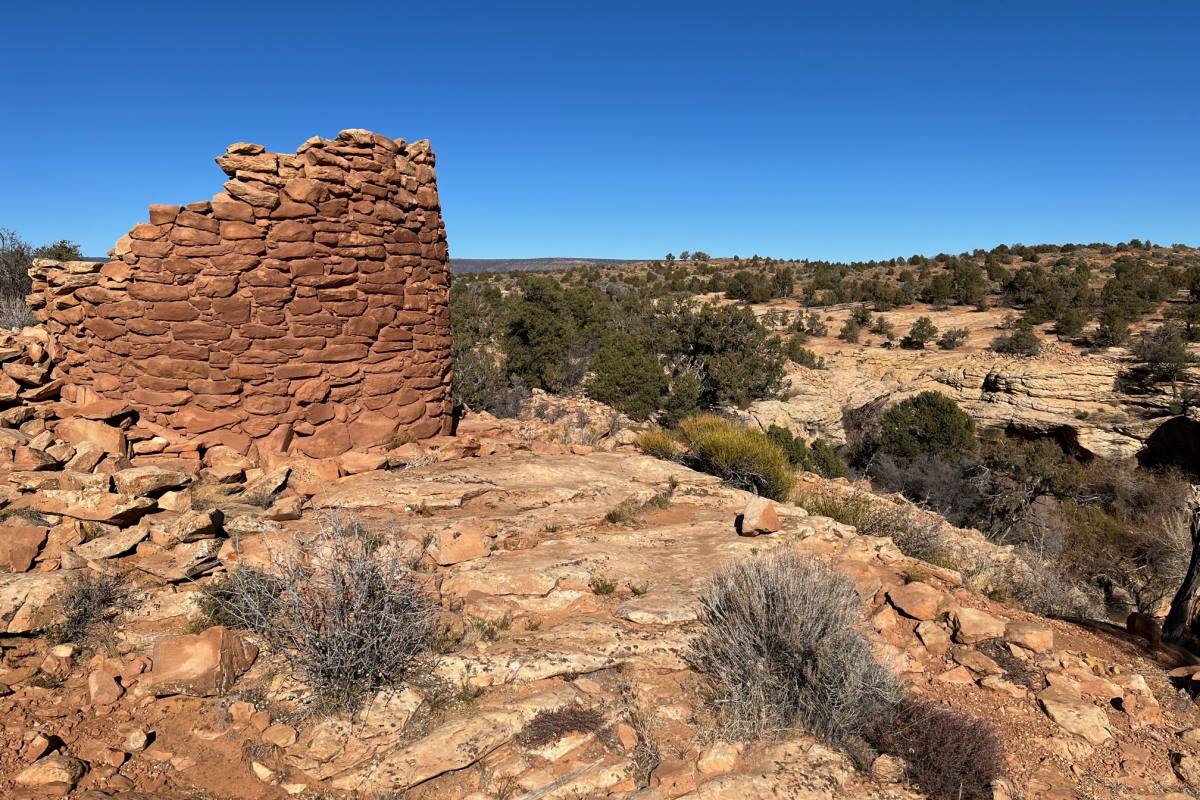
304	309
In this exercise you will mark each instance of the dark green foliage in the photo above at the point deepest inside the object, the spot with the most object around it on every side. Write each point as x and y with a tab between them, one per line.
817	457
881	327
683	399
922	332
62	250
1021	342
927	424
626	375
539	335
1162	355
738	360
801	355
850	331
953	339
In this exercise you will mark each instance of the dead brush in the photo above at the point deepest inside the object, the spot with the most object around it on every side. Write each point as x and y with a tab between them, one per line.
550	726
346	612
90	598
780	646
947	754
1016	670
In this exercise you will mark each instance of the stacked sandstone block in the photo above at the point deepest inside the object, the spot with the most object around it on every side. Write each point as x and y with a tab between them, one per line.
305	309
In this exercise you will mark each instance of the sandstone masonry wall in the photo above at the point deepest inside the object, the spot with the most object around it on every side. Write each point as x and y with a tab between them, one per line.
305	309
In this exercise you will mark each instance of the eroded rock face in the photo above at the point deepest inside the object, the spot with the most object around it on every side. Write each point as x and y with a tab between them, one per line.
305	307
1061	392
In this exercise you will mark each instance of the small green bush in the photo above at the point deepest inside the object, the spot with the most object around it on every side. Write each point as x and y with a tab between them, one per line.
922	332
740	456
1021	342
928	423
658	443
818	457
799	354
627	375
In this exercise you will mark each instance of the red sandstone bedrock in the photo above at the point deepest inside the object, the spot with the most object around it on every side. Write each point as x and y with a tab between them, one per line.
305	308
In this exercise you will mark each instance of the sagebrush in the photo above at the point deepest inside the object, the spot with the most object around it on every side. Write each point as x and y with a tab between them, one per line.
89	599
346	610
780	646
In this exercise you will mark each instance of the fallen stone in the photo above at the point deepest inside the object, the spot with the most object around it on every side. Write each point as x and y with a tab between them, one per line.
190	526
280	735
970	625
1034	636
1076	716
201	665
917	600
30	602
112	545
88	504
718	758
19	546
456	546
758	518
148	480
78	430
53	774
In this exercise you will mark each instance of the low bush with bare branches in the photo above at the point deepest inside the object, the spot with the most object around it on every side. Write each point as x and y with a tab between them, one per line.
780	647
345	609
947	754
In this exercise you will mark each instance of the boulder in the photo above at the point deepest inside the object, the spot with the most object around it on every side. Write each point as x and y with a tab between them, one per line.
88	504
1076	716
1035	636
190	526
200	665
111	545
29	602
78	430
19	546
52	774
138	481
759	517
917	600
970	625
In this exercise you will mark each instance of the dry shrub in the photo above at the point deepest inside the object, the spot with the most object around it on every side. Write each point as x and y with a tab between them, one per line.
742	457
658	443
915	536
780	646
1035	584
949	755
345	610
15	313
89	598
550	726
1015	669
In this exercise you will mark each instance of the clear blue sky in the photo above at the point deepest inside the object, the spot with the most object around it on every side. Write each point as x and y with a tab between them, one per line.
827	130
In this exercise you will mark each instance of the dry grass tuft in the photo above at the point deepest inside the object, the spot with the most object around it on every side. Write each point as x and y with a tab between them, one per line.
742	457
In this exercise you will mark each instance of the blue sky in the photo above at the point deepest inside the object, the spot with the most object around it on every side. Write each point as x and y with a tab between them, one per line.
837	130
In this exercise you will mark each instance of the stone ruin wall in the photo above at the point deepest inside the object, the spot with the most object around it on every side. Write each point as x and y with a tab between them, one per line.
305	309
